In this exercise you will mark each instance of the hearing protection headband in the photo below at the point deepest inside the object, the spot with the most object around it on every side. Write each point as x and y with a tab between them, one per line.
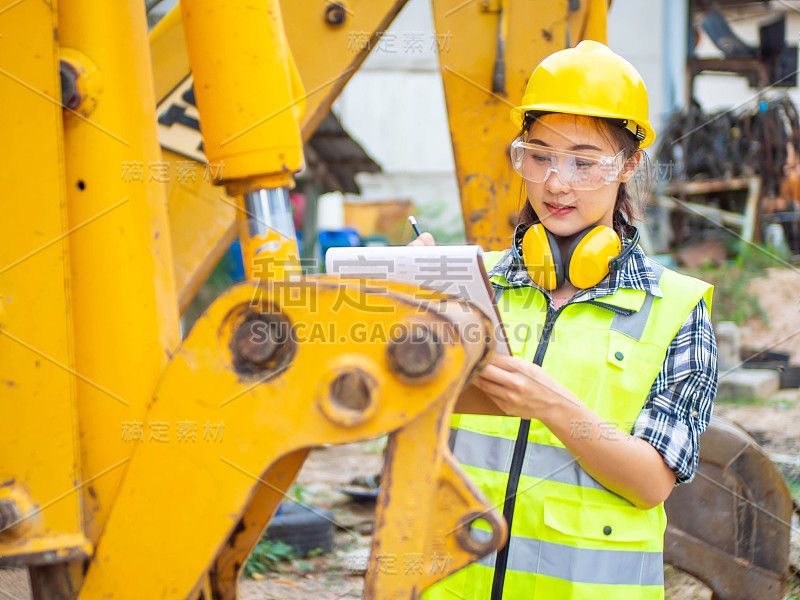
616	263
593	254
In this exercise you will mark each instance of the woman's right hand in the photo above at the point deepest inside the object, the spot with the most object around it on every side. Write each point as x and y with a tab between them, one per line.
425	239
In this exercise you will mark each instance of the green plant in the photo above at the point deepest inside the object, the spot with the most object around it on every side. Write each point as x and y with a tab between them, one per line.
305	567
770	402
732	300
793	588
743	400
266	555
299	492
376	445
792	476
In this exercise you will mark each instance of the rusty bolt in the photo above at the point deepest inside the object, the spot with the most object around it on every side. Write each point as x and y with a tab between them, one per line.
70	96
335	14
262	342
351	390
254	342
414	352
350	397
10	514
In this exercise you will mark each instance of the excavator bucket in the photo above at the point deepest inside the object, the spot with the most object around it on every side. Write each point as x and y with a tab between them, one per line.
730	527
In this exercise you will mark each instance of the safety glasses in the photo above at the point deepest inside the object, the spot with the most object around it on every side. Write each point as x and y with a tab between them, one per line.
579	170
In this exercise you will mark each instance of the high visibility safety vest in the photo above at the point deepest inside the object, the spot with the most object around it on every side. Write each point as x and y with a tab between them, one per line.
570	537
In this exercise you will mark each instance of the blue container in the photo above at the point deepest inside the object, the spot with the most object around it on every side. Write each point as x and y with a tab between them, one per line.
338	238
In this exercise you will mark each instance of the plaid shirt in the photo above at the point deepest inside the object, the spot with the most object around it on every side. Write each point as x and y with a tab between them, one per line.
679	404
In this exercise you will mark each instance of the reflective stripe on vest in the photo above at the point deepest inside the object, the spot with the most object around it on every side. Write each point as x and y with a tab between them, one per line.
607	352
542	461
607	567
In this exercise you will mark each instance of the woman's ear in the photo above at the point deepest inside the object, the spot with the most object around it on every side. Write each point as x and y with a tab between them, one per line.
630	166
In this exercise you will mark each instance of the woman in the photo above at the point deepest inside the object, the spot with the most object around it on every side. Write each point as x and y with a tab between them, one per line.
614	369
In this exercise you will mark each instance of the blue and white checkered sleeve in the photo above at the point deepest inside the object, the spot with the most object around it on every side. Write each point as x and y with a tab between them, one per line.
679	405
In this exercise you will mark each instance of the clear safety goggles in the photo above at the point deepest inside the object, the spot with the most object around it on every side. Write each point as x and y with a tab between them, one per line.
579	170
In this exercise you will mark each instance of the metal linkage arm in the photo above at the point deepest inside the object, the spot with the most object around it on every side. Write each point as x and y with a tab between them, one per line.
248	394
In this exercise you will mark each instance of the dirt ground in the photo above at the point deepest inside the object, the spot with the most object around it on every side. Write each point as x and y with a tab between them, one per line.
779	296
774	423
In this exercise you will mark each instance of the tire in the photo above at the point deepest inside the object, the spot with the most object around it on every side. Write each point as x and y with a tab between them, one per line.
304	528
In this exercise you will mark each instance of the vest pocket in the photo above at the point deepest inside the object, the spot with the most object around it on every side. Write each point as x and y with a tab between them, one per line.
598	522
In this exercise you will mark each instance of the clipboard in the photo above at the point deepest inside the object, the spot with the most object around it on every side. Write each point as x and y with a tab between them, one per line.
457	270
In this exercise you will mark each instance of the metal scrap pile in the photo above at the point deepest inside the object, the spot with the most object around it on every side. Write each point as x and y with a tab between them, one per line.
761	140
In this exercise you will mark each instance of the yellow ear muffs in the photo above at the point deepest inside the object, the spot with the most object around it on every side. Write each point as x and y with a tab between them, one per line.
542	257
589	256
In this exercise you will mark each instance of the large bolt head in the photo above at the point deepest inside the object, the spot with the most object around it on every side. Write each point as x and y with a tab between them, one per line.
414	353
349	395
262	343
254	341
70	96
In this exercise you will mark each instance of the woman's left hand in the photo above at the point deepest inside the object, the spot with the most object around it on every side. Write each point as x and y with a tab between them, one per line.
626	465
523	389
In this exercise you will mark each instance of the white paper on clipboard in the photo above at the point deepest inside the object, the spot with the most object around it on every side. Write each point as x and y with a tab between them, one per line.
454	270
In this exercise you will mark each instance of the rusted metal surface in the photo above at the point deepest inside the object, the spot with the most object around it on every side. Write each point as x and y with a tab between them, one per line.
414	352
262	345
10	515
70	96
352	390
469	542
59	581
730	527
349	396
335	14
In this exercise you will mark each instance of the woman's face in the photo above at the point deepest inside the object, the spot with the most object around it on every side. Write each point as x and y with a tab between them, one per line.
561	209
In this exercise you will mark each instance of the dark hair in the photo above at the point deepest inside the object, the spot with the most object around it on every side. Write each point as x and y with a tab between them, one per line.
624	212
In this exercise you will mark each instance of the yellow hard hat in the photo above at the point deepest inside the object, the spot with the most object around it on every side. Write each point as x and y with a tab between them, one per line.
589	80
